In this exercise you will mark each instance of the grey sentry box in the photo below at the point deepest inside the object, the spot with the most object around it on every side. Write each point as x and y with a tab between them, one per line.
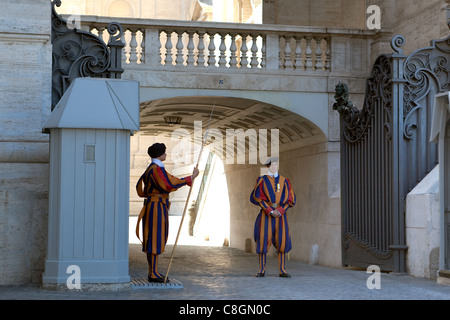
440	134
90	132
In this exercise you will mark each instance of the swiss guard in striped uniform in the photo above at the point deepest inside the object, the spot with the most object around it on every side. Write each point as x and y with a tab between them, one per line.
155	185
274	195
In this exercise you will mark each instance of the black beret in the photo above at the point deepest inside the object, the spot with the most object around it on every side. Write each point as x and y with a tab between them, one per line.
156	150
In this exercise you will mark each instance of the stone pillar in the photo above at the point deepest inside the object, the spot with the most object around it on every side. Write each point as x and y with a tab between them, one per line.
25	95
89	184
441	135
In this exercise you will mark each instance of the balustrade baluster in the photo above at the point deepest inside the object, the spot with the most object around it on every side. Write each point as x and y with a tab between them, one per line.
319	63
244	50
201	49
126	49
287	53
323	57
327	55
233	53
298	53
101	33
133	47
308	64
142	53
168	59
180	56
222	48
254	49
190	47
211	48
263	53
160	49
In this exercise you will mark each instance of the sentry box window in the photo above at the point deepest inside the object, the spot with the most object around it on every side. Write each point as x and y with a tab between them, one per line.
89	153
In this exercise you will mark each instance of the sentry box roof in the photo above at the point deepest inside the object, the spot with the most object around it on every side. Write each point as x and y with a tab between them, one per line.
98	104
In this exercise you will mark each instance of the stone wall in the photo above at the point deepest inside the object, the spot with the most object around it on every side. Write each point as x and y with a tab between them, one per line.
25	88
422	227
146	9
418	21
321	13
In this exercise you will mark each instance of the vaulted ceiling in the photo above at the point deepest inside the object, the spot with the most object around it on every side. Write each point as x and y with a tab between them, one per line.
228	113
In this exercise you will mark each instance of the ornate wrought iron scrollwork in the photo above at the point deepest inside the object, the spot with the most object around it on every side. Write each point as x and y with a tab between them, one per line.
78	53
355	123
378	87
397	42
423	68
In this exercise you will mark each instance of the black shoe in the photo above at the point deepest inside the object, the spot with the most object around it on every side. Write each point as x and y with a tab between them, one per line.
260	275
285	275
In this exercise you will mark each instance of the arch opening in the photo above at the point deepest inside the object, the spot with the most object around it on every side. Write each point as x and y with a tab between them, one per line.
224	215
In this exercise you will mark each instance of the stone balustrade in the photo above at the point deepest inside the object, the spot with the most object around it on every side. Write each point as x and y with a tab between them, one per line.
243	47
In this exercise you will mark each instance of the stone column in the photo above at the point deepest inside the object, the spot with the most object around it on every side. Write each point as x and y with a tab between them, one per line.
25	95
441	135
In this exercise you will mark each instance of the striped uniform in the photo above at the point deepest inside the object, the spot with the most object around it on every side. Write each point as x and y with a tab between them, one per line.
272	193
155	185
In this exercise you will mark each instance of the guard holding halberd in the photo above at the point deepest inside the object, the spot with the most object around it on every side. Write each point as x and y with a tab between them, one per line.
155	185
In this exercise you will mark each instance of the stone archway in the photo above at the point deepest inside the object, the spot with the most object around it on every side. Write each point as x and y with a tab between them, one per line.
309	162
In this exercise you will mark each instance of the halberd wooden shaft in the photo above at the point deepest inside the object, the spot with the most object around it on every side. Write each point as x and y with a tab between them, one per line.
178	234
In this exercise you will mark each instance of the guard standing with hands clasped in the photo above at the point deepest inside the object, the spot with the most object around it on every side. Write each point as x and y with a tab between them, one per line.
274	195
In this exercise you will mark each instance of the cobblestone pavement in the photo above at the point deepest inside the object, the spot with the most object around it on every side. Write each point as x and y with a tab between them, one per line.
222	273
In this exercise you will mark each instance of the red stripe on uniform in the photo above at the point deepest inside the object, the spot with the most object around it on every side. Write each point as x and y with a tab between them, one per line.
164	180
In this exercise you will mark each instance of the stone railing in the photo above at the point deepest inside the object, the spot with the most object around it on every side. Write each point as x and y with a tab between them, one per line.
223	45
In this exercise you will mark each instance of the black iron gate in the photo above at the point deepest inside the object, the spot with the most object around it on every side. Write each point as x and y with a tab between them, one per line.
385	151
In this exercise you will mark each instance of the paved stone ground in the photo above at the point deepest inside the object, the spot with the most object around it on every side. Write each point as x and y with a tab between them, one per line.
222	273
